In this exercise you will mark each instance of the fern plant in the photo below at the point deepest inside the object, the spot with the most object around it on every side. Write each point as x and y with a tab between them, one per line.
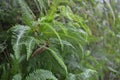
49	35
64	41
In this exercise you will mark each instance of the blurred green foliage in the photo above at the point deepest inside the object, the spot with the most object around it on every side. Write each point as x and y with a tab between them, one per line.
8	13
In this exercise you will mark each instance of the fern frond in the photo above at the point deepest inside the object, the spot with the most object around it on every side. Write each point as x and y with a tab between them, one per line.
19	32
17	77
27	13
41	75
111	9
31	42
21	39
88	74
59	60
55	32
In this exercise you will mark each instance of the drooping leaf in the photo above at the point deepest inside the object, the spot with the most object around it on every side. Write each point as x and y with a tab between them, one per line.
59	60
110	7
55	32
18	32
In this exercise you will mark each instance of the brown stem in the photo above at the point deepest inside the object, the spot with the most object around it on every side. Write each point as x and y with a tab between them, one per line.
40	50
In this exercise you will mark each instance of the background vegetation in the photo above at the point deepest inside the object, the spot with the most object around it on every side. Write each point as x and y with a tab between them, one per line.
59	40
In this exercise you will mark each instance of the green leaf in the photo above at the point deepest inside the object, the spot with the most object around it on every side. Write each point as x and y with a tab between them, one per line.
110	7
27	13
88	74
59	60
17	77
71	76
30	44
55	32
41	75
19	32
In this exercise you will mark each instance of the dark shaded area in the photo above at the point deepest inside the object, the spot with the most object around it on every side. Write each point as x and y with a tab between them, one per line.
9	14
